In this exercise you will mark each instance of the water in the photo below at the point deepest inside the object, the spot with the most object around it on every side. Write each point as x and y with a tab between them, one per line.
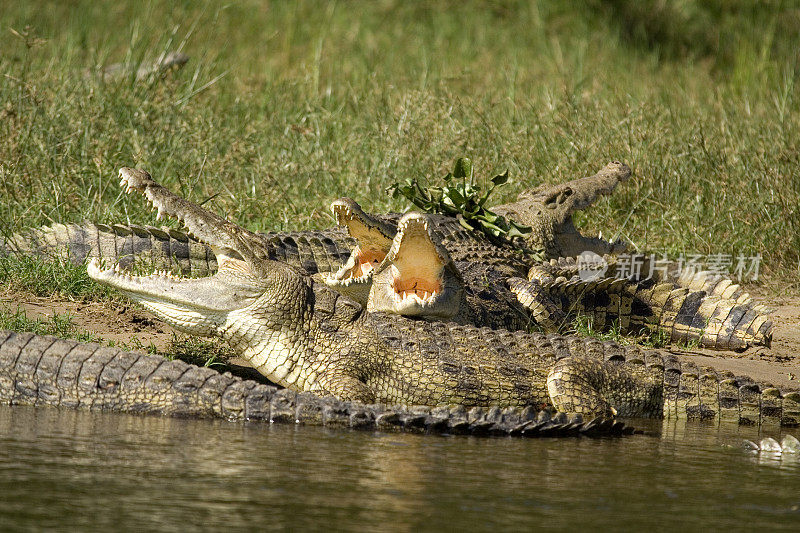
63	469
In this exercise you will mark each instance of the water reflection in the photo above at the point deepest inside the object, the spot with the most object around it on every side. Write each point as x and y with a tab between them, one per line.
99	470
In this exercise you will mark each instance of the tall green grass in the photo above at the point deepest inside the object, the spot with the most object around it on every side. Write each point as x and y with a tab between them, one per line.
286	106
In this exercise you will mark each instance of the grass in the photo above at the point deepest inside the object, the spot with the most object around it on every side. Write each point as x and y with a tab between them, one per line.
286	106
56	277
190	349
58	325
583	326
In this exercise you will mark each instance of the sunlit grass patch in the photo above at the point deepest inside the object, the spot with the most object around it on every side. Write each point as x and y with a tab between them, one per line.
201	352
583	326
50	277
57	324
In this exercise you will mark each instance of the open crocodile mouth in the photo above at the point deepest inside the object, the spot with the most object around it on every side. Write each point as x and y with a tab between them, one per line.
417	277
416	267
374	238
196	305
549	211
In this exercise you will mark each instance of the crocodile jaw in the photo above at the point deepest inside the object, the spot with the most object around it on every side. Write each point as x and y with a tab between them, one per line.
196	306
258	305
417	277
549	210
374	237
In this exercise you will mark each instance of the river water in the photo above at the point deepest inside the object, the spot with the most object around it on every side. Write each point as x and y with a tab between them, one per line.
63	469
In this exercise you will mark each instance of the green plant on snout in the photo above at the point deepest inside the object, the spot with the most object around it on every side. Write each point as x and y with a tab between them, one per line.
463	198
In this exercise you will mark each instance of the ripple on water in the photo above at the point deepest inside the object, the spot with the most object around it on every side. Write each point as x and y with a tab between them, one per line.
102	470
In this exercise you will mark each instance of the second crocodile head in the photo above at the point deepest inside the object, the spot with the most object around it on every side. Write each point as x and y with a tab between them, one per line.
374	237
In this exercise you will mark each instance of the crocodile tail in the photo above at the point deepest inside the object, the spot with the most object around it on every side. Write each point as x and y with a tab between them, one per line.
150	247
638	382
313	251
703	308
705	393
44	370
543	309
700	308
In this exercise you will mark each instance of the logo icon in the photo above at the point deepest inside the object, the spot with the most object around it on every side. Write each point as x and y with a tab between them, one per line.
591	266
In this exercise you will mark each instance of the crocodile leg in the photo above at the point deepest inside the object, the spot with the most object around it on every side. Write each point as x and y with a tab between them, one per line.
589	386
344	387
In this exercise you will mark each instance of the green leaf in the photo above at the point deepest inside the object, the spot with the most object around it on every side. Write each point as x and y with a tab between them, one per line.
488	216
465	224
462	168
514	232
454	197
501	179
464	199
496	230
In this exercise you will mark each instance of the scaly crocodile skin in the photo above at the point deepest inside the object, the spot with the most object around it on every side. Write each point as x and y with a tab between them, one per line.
46	371
150	248
697	307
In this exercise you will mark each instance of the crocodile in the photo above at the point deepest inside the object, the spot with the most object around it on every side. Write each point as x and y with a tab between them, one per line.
309	338
48	371
370	237
418	278
481	268
318	252
547	210
374	234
